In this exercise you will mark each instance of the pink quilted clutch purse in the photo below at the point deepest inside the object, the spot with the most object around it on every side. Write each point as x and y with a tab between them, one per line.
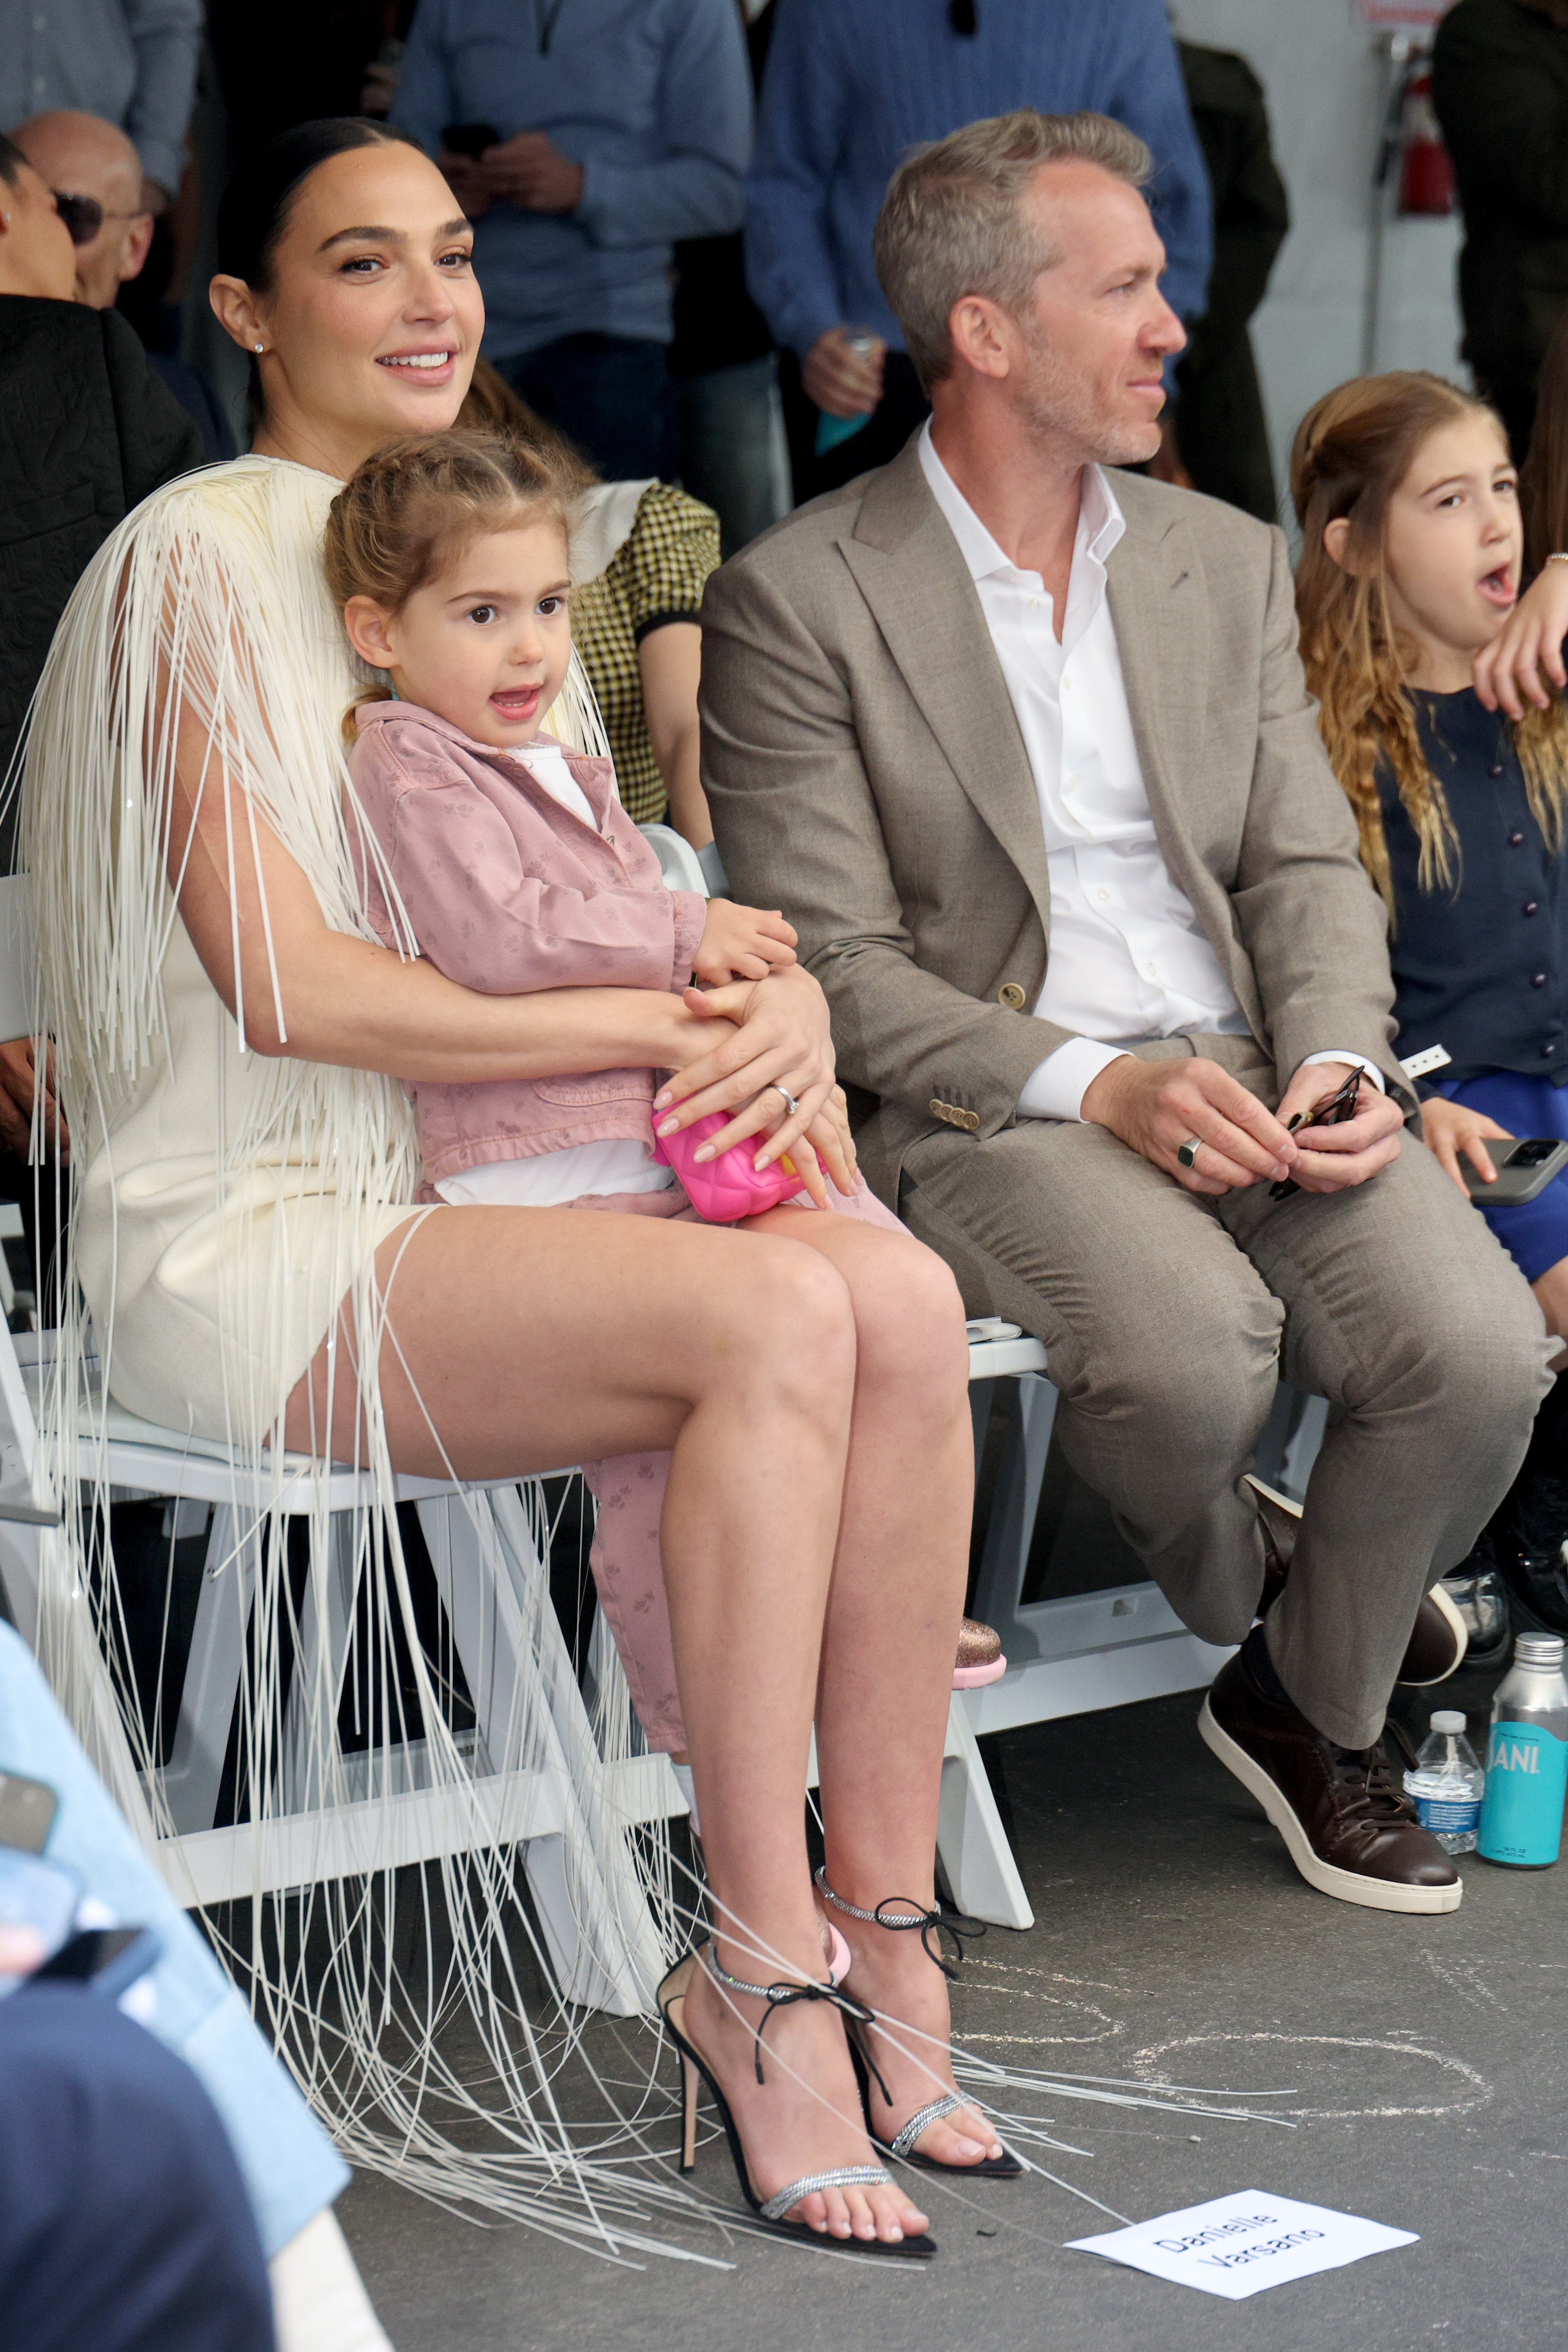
729	1188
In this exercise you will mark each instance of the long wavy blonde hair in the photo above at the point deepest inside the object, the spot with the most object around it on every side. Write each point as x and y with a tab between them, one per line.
1352	450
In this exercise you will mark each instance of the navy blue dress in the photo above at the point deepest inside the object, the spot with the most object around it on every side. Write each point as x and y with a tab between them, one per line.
1482	968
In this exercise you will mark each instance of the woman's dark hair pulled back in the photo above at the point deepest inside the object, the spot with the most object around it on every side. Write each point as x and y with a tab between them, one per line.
254	210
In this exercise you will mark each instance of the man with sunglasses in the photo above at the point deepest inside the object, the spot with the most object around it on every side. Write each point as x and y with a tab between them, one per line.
86	432
95	175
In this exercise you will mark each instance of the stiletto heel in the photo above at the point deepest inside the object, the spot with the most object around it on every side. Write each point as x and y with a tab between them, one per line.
671	1999
688	2128
1005	2167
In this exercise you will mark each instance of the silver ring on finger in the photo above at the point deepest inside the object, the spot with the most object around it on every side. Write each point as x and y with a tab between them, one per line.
1188	1152
774	1087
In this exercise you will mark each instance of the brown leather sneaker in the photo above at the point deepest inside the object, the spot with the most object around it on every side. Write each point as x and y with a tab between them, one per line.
1439	1637
1348	1826
980	1658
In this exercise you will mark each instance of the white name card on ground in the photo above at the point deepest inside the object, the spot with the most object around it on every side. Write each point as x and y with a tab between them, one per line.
1238	2245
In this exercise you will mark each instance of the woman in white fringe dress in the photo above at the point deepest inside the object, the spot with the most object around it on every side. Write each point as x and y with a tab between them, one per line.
230	1040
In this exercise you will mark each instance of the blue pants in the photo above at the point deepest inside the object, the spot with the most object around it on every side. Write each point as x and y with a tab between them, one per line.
1535	1232
612	394
124	2225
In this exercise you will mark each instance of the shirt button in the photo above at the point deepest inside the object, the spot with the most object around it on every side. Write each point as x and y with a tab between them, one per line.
1104	897
1034	603
1547	1052
1496	769
1532	907
1072	783
1067	686
1514	839
1152	970
1538	979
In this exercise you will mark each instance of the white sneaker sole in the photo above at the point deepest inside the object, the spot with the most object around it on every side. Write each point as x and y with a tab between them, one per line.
1448	1609
1440	1600
1345	1886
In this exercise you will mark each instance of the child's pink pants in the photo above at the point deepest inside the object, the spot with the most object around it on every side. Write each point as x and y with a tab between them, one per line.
628	1572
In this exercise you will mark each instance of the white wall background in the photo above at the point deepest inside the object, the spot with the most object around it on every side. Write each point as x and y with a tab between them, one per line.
1323	79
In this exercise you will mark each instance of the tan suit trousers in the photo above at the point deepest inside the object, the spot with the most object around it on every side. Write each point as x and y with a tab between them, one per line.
1166	1320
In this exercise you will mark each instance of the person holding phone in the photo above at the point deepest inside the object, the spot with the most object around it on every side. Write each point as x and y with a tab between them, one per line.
1413	549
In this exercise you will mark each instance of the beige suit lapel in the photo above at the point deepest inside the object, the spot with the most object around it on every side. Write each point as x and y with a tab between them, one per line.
908	567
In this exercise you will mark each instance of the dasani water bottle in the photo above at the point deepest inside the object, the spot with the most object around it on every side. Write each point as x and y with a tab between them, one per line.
1445	1784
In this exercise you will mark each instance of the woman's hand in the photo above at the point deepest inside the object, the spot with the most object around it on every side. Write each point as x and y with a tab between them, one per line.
742	943
1449	1128
781	1038
1510	671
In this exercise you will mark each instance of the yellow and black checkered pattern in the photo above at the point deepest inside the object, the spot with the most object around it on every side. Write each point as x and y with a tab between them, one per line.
657	575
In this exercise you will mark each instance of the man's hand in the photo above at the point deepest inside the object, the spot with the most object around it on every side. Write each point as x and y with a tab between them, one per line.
742	943
530	171
1449	1128
1332	1159
16	1081
840	382
1156	1106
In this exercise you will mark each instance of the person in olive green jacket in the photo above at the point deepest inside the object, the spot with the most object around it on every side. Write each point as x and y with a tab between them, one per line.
1499	86
1221	435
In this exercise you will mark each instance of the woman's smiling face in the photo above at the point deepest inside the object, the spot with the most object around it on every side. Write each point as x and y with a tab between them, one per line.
370	322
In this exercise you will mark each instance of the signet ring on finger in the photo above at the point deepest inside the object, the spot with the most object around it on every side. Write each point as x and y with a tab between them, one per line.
1188	1152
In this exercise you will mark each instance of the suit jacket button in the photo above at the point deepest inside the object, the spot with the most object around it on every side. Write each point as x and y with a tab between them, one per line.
1010	996
971	1120
937	1110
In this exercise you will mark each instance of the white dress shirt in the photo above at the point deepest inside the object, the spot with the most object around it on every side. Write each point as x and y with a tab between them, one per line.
1128	958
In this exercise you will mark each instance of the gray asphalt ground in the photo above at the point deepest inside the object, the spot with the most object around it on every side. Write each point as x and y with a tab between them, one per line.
1418	2064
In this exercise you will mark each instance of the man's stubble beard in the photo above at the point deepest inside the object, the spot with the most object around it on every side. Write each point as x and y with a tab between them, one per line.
1060	415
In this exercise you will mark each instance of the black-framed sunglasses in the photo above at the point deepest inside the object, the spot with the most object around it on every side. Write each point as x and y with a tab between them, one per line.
84	215
961	15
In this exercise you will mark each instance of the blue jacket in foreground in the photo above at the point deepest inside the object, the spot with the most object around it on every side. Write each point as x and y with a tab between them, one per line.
852	85
1481	969
653	98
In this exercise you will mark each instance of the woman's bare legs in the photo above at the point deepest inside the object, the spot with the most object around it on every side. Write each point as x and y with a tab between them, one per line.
737	1354
893	1613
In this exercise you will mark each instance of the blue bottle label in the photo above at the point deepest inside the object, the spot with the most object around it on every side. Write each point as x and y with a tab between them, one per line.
1449	1814
1527	1776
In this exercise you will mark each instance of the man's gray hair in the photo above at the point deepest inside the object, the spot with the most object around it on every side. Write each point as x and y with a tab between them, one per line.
951	223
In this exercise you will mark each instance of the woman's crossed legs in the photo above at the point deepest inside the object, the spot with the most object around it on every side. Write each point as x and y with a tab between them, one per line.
804	1568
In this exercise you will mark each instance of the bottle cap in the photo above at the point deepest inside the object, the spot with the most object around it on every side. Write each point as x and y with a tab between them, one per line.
1448	1718
1538	1650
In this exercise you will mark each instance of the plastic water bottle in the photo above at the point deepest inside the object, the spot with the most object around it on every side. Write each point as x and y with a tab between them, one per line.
1445	1784
1527	1758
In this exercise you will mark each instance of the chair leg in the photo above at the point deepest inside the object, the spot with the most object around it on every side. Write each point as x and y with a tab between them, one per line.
973	1851
190	1780
321	1660
590	1903
998	1593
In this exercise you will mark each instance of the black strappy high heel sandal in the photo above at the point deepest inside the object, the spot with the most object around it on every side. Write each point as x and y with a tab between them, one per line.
772	2210
1005	2167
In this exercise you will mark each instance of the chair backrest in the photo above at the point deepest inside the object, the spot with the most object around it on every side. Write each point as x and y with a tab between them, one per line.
678	862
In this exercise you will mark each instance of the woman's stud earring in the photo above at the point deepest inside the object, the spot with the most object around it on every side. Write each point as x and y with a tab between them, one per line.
258	350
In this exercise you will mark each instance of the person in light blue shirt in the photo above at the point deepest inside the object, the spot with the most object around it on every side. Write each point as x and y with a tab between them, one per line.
131	61
615	127
850	86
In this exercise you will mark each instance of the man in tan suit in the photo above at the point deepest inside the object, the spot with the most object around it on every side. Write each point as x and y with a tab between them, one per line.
1025	749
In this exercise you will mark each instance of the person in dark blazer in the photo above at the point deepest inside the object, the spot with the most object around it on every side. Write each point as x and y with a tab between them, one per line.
1500	87
1222	434
86	432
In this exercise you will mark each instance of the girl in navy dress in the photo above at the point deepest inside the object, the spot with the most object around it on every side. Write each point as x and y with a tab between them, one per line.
1411	562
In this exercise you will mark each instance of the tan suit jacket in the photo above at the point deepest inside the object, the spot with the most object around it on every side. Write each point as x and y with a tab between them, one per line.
865	772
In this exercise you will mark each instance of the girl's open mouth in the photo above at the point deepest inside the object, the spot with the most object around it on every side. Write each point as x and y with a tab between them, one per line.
1497	587
516	703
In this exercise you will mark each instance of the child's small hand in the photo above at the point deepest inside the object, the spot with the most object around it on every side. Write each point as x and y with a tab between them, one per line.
742	943
1449	1128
